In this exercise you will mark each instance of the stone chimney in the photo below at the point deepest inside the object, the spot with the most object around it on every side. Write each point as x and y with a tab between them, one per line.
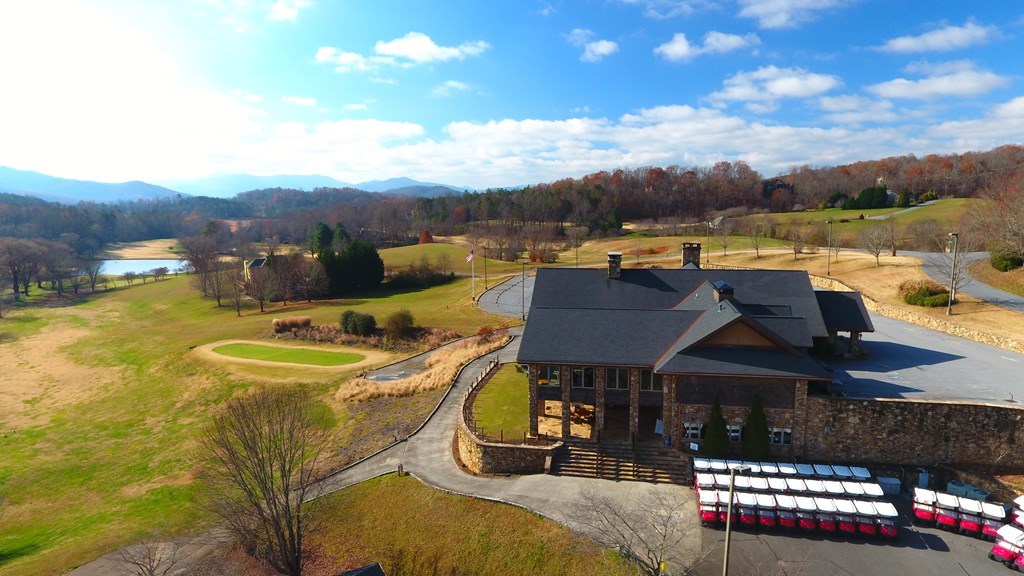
691	254
614	264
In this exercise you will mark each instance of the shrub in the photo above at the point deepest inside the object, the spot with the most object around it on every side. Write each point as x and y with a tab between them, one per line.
923	293
357	323
755	435
1006	262
399	324
291	324
716	435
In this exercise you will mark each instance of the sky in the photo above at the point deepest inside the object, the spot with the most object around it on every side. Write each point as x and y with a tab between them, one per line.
488	93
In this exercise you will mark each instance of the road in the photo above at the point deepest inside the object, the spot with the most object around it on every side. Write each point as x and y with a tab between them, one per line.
937	267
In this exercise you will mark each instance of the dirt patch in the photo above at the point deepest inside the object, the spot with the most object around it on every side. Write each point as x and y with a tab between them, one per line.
145	250
39	377
370	357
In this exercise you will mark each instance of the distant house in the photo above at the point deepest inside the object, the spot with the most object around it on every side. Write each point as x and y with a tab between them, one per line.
369	570
645	352
254	263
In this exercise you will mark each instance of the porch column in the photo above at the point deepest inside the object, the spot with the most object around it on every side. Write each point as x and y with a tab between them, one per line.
599	386
565	378
532	378
800	418
668	410
634	402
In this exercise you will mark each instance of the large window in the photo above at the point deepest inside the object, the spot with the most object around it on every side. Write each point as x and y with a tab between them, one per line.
780	436
582	377
649	381
735	432
547	375
693	430
617	378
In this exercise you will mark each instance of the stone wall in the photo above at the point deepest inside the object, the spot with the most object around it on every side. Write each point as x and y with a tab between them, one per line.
735	415
909	432
490	458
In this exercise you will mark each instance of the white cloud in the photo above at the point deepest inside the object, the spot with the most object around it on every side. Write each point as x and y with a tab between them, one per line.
546	10
287	10
958	78
449	88
299	100
352	107
593	50
763	88
856	110
409	50
420	49
943	39
663	9
679	48
1003	123
785	13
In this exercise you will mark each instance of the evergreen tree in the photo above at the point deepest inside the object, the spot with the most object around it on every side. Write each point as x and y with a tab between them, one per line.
321	240
716	435
362	265
755	434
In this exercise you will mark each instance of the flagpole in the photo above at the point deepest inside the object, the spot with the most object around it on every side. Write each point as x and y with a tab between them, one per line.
472	267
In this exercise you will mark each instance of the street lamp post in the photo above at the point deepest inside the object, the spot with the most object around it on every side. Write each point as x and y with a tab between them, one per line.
728	515
707	258
952	274
828	261
523	282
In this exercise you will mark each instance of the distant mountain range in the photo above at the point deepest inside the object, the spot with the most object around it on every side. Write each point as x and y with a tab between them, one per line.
27	183
64	190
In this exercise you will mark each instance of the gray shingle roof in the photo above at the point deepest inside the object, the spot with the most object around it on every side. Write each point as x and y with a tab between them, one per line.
844	311
659	318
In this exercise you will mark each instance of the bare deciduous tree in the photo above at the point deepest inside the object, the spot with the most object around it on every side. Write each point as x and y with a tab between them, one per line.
874	239
796	236
756	233
723	230
260	284
940	264
234	281
258	458
92	269
310	278
649	530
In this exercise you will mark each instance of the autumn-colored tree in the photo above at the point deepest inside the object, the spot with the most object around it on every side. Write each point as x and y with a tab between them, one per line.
425	237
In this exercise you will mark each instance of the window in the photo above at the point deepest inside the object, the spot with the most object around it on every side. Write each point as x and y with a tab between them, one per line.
617	378
735	432
582	377
547	375
780	436
649	381
693	430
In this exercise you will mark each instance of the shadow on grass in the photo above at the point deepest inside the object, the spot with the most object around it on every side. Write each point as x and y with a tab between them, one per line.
6	337
10	554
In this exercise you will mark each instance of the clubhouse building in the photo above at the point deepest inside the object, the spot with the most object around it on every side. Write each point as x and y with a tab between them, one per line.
642	354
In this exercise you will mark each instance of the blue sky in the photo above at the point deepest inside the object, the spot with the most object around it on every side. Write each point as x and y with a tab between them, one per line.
496	93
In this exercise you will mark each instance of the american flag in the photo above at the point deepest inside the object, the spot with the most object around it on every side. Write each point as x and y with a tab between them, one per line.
469	257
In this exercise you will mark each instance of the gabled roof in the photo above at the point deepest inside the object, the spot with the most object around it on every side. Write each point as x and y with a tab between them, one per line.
369	570
844	311
676	321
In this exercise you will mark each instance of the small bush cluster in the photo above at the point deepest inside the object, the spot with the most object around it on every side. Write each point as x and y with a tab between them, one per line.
399	325
291	324
1006	262
923	293
488	333
357	323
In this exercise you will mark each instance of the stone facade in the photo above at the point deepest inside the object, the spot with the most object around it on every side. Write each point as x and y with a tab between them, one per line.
491	458
913	433
737	415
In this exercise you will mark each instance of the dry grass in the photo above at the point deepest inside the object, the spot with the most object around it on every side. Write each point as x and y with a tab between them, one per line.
441	369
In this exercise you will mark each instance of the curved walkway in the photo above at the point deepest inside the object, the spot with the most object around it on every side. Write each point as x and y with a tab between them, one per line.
937	265
506	298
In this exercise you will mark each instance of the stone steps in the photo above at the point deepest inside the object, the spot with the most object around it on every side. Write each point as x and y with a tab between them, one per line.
620	462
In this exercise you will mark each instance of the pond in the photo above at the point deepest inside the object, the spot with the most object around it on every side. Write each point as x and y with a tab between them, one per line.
119	267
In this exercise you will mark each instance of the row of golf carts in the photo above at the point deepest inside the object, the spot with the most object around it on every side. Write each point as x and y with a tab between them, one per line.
805	513
1009	545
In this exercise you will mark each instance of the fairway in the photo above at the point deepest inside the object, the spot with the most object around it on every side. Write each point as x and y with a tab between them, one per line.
288	354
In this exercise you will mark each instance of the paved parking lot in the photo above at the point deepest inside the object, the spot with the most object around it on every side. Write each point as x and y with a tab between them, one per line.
919	550
907	361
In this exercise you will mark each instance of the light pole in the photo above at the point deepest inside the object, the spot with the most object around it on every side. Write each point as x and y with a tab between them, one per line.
952	274
728	514
523	282
707	259
828	261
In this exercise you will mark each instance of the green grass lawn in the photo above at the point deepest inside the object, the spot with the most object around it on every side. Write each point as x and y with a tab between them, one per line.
502	407
405	256
107	458
1012	281
288	354
413	529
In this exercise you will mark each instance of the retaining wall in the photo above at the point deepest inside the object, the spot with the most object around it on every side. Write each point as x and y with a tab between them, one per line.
482	457
914	433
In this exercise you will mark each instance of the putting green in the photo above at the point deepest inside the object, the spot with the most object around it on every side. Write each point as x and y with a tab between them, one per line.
288	354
